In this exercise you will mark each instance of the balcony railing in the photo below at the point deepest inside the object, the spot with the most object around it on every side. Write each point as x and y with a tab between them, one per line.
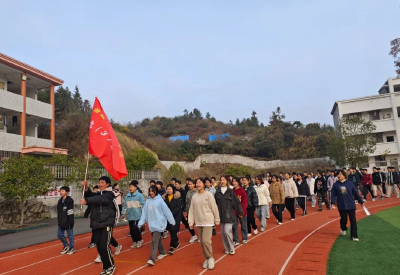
11	101
38	108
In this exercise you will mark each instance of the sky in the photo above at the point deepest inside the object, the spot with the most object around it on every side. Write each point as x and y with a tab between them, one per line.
149	58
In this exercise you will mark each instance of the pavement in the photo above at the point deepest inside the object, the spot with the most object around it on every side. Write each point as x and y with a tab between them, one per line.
43	234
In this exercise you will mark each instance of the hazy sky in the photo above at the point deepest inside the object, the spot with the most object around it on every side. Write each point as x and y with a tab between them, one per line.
147	58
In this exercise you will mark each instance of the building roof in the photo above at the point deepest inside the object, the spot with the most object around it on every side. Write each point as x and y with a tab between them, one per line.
356	99
23	67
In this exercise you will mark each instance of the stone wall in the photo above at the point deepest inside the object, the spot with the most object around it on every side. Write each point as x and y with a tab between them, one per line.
256	164
35	210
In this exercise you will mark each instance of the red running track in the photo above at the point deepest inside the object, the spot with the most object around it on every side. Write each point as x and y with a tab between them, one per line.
296	247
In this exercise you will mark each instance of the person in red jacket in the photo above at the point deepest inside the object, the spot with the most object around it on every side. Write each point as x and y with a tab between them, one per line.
366	183
242	196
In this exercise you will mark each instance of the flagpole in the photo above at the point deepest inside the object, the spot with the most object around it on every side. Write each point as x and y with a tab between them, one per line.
86	174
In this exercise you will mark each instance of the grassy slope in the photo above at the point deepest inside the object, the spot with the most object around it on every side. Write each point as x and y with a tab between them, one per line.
378	249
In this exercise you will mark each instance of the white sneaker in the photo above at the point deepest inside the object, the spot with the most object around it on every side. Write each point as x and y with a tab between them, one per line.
205	264
235	243
279	223
245	241
193	239
356	240
150	262
161	256
98	259
139	244
255	232
118	249
343	233
165	235
262	229
292	219
211	263
134	245
248	235
232	252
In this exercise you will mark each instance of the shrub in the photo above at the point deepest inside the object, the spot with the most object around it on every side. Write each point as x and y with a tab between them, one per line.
140	159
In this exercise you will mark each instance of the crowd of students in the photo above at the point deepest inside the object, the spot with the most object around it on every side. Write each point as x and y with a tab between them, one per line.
204	203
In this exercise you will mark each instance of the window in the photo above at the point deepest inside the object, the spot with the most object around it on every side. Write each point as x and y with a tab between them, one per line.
374	115
398	111
386	116
379	137
380	161
2	85
354	115
390	138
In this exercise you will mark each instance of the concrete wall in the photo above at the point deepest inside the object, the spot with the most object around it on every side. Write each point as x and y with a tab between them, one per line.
236	159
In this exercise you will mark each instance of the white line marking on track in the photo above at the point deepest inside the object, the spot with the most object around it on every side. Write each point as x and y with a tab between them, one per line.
18	254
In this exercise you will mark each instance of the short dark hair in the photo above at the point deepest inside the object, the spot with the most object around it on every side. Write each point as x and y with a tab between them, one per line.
65	188
159	183
106	179
172	186
134	183
188	179
115	184
153	189
343	173
213	178
153	181
96	187
173	179
178	181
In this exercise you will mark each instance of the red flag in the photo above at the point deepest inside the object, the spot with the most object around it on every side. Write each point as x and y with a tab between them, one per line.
103	143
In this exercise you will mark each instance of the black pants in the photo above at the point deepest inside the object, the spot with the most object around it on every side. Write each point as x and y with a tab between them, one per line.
92	240
120	208
186	224
113	241
289	204
251	221
102	238
174	238
384	188
353	222
134	230
303	204
277	210
323	197
366	189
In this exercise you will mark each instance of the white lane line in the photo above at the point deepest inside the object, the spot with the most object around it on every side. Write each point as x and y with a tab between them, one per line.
305	238
18	254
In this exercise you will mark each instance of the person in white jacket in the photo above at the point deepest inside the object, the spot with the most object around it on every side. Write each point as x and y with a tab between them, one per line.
291	194
264	200
311	183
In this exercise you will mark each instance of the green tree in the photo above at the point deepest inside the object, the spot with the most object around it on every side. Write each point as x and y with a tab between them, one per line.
395	52
208	116
140	159
354	142
197	114
175	171
238	171
237	123
24	177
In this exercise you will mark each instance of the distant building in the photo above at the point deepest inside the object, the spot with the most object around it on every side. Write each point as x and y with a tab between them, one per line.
180	138
217	137
384	111
21	112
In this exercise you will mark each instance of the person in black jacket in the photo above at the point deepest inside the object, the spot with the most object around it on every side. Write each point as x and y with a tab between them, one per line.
392	182
227	203
174	202
86	216
377	181
104	216
383	176
321	189
252	204
183	199
304	192
65	215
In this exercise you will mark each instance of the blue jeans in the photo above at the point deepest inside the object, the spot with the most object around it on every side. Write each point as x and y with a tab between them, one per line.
243	228
70	232
261	212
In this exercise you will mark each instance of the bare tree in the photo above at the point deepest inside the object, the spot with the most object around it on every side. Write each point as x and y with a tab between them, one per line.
395	52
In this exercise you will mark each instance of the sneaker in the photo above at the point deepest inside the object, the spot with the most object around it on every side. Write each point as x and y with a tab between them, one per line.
292	219
110	270
245	241
71	251
235	243
364	200
381	198
65	250
104	272
374	199
312	205
356	240
342	232
178	245
226	252
356	202
171	251
279	223
211	263
214	232
143	232
398	196
232	252
139	244
262	229
150	262
205	264
98	259
129	234
91	245
134	245
193	239
319	210
255	232
248	235
161	256
118	250
165	235
297	208
198	240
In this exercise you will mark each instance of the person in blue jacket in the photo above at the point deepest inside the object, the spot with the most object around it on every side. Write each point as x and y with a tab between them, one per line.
132	211
344	194
156	213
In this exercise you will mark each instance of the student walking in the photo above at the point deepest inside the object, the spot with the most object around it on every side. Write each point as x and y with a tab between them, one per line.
65	216
174	202
321	189
377	181
392	183
252	204
204	213
104	216
92	243
242	196
132	211
192	190
343	195
304	192
227	203
277	198
264	200
366	182
182	191
156	213
291	194
311	184
118	196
